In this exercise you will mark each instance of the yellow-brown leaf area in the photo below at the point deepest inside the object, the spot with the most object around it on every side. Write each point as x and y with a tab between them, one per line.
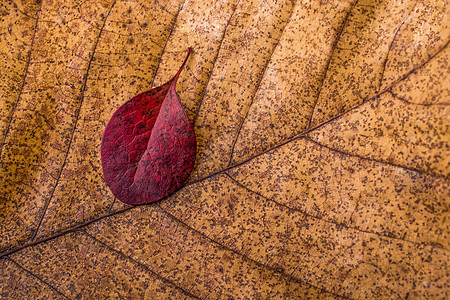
323	149
404	126
18	283
295	71
79	266
315	249
248	44
378	47
191	259
17	22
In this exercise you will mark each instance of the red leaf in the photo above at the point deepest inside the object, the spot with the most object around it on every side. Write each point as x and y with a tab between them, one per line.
149	146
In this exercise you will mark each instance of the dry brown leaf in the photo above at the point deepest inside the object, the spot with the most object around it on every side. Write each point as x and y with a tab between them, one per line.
323	158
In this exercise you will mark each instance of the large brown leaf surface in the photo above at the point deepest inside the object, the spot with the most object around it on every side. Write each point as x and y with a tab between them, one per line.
323	155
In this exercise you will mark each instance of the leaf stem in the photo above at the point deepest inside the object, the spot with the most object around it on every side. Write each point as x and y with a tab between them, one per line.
182	66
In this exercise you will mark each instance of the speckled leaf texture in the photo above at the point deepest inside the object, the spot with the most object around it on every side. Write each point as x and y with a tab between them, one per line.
323	160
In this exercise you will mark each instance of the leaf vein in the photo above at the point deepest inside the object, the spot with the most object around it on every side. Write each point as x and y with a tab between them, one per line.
383	66
334	118
214	64
327	66
329	221
37	277
258	85
174	22
27	65
77	116
376	160
245	256
140	264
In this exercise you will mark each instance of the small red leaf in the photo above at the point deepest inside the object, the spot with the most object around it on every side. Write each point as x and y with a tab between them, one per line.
149	146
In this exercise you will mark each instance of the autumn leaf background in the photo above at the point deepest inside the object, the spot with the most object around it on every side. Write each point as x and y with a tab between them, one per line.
323	149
